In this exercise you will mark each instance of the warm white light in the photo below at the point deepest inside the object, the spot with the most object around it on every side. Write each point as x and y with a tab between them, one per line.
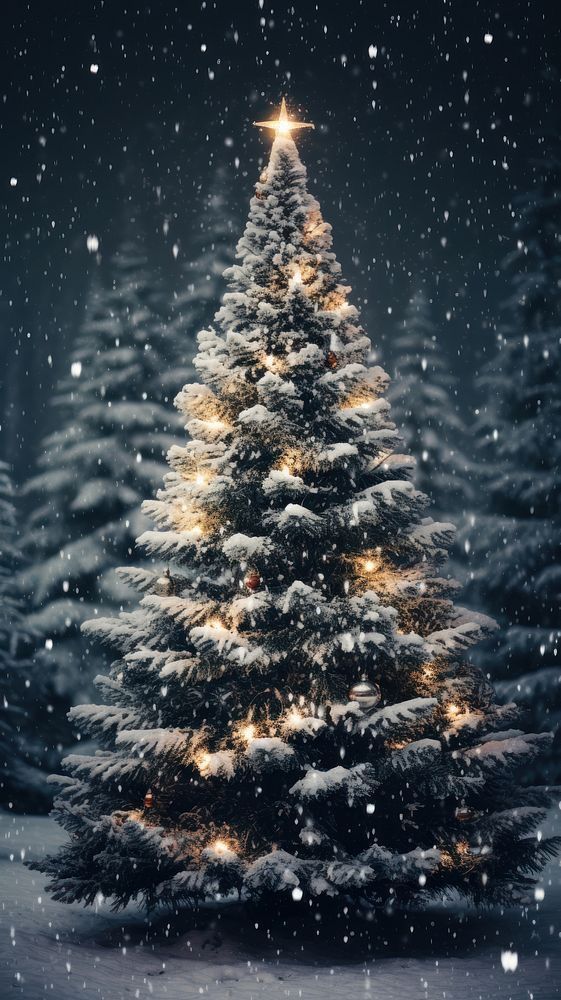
221	847
283	125
197	530
214	623
272	363
248	733
294	719
453	710
369	566
214	425
200	479
203	763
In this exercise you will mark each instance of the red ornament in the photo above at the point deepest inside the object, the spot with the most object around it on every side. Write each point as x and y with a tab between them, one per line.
149	800
253	580
331	359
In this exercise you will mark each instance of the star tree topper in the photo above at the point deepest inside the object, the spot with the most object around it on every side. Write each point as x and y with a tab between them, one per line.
283	125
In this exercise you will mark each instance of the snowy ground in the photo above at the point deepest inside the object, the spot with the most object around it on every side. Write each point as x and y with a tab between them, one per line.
49	949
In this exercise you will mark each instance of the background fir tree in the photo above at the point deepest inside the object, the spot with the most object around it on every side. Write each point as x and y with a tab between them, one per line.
200	276
296	721
114	428
516	540
423	396
25	718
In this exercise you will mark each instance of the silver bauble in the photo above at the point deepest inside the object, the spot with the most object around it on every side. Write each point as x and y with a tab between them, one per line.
366	694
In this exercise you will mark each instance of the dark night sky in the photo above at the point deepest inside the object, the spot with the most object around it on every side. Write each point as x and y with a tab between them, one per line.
424	132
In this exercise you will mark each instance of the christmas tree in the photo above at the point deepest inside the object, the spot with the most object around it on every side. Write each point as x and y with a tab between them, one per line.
23	687
295	721
105	456
425	409
515	542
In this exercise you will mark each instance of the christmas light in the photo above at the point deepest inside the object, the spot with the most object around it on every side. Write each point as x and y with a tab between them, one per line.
452	710
358	403
221	847
283	125
290	463
272	363
294	719
248	733
203	763
214	424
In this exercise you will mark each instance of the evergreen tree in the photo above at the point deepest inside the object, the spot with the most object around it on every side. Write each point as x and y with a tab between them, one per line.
296	720
23	688
105	456
200	276
516	541
425	410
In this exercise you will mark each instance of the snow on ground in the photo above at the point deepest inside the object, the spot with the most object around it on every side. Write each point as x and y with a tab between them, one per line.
49	949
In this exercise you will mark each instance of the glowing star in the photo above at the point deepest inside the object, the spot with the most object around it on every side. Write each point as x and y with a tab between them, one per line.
283	125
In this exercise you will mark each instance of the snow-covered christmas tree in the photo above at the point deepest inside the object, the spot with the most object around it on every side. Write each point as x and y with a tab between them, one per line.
107	453
23	687
516	541
425	409
296	721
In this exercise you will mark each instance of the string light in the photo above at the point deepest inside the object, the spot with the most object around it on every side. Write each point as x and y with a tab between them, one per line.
221	847
272	363
248	732
203	763
452	710
290	463
214	424
294	719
